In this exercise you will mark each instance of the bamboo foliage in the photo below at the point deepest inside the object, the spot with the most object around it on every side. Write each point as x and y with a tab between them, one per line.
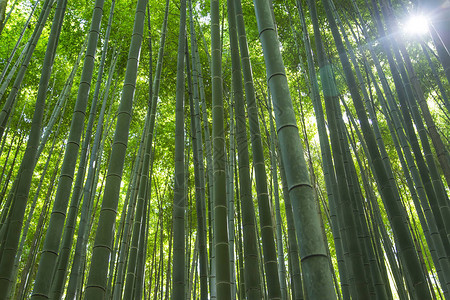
9	103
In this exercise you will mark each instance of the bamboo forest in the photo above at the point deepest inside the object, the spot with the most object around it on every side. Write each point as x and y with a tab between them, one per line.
225	149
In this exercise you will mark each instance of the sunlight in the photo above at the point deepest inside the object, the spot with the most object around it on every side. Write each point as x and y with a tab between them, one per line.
416	25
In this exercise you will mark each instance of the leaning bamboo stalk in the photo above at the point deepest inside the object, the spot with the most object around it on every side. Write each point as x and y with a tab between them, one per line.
444	93
28	162
127	220
70	224
308	228
251	261
36	197
61	102
279	221
52	240
420	173
26	278
97	279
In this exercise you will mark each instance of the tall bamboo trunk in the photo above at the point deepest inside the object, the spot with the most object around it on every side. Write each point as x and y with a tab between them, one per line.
251	261
179	200
97	279
317	274
52	240
220	206
201	191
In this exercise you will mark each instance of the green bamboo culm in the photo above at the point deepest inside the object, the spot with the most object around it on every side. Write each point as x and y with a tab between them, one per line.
3	4
420	173
83	230
231	184
279	220
251	261
33	205
294	261
52	240
126	228
444	93
179	197
318	281
57	114
97	278
149	132
222	255
71	219
440	22
201	191
26	169
132	278
62	101
265	216
199	185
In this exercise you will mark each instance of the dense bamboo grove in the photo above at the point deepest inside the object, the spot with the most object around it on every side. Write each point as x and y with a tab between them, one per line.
225	149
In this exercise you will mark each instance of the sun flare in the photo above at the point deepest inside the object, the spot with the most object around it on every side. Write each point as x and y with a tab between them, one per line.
416	25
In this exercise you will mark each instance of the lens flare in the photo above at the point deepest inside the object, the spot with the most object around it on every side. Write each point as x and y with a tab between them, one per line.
416	25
